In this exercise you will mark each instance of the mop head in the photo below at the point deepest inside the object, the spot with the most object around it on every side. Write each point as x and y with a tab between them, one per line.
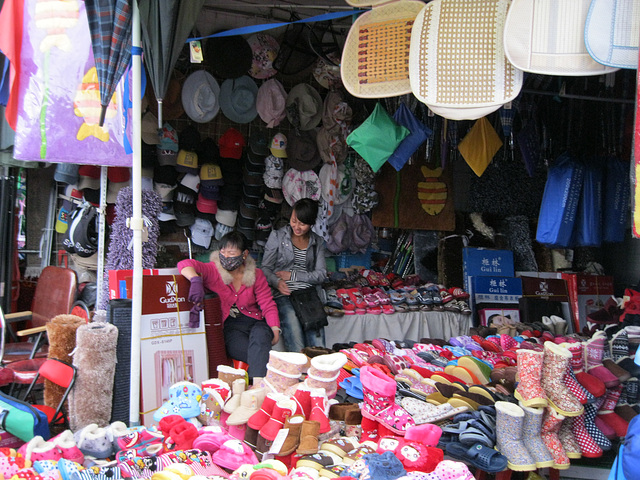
95	358
120	253
61	331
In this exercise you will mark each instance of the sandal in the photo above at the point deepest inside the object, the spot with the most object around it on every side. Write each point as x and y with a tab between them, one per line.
480	456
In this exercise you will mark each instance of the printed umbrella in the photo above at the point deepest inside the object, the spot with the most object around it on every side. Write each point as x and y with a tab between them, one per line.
110	27
165	26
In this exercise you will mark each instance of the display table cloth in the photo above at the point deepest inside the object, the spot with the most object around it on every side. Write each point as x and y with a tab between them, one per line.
397	326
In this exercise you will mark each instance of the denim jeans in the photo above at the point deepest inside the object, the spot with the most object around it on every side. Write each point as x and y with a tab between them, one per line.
249	340
295	339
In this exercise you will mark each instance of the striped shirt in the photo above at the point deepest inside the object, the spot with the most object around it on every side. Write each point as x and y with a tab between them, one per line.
299	264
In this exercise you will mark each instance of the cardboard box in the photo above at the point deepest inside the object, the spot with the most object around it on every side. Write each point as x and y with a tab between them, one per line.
549	288
587	293
495	291
485	314
477	262
170	351
118	280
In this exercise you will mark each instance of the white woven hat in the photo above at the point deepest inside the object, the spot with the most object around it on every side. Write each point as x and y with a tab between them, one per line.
457	64
611	32
375	55
547	37
200	96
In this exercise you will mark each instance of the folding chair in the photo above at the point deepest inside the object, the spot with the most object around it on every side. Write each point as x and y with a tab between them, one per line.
62	374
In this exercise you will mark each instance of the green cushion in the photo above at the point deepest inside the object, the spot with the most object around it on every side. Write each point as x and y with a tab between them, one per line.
377	138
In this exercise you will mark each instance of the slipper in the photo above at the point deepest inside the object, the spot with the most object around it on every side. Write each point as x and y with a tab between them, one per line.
424	412
457	428
473	435
480	456
458	401
484	391
460	385
479	399
463	374
481	370
446	389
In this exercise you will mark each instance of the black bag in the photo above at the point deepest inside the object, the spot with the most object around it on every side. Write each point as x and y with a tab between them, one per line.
309	309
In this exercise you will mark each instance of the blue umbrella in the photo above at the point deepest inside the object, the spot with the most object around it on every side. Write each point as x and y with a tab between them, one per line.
110	27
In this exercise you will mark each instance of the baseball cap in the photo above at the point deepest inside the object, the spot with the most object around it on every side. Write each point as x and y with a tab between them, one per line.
191	181
167	214
165	174
187	161
91	171
201	232
222	230
165	191
278	145
227	217
118	174
205	205
263	228
113	188
211	192
231	144
66	173
211	174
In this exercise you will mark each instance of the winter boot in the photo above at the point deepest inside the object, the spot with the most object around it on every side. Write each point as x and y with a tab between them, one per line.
578	391
532	439
379	401
568	440
529	391
294	426
324	372
554	367
560	325
593	355
509	441
606	412
302	397
588	446
319	407
593	385
258	419
550	426
229	374
309	438
283	409
237	389
600	438
619	345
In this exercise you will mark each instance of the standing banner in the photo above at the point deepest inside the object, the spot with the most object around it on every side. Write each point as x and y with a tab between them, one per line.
58	105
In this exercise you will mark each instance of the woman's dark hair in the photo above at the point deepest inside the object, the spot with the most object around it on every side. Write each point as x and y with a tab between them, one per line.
306	210
234	239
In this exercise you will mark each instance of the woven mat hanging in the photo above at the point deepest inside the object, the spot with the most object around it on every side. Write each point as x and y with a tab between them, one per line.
457	65
375	58
547	37
611	32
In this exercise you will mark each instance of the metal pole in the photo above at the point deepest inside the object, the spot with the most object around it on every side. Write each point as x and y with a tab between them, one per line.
101	228
136	219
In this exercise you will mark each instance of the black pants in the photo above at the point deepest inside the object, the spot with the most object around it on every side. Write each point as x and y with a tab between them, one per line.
248	340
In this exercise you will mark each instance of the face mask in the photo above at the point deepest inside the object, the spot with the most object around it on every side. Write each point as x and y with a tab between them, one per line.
231	263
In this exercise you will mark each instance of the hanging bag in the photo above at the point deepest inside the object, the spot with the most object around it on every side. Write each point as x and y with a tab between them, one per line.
560	202
21	419
309	309
616	200
588	231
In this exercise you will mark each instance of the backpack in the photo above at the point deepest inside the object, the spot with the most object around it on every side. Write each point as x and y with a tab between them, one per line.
81	237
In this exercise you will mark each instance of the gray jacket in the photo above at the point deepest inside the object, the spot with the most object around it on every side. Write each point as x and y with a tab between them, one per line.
278	255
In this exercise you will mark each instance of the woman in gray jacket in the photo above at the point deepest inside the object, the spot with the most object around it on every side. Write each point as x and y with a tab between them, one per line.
293	260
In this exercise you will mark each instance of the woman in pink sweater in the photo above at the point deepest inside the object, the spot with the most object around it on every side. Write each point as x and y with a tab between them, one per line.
251	322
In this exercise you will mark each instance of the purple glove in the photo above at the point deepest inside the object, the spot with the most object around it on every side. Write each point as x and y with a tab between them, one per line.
196	291
194	317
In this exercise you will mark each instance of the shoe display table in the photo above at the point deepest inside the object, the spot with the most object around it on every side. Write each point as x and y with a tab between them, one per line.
397	326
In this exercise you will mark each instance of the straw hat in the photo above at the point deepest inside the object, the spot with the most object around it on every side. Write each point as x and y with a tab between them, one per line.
200	96
376	65
238	99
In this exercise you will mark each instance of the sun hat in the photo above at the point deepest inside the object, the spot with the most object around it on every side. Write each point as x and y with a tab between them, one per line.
338	191
273	172
278	146
375	58
265	50
206	205
297	185
271	102
464	90
302	151
304	107
328	74
227	217
238	99
228	57
201	96
231	144
66	173
149	128
201	232
264	227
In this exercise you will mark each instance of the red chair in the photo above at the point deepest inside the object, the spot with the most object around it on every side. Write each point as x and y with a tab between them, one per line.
62	374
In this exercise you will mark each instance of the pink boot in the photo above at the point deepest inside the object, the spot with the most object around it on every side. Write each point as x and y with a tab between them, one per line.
550	427
529	391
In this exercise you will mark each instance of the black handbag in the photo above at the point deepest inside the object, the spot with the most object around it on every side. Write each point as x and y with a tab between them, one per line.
309	309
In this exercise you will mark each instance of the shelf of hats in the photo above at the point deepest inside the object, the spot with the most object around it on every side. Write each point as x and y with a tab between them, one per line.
475	318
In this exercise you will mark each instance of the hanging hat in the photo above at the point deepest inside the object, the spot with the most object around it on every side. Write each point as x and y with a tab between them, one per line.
172	102
150	134
200	96
271	102
372	66
297	185
228	57
66	173
238	99
302	152
201	232
273	172
327	74
259	142
231	144
265	50
304	107
295	52
278	145
227	217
